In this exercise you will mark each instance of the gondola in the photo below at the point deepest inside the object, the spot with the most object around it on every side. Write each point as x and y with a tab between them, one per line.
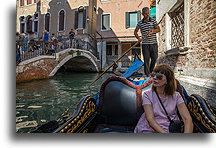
117	107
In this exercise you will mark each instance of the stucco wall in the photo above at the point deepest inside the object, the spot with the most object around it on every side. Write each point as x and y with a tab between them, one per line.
52	6
117	9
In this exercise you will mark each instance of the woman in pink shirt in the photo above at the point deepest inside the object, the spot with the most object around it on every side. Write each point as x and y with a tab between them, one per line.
154	119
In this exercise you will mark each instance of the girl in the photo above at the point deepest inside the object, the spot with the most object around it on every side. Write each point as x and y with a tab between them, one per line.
154	118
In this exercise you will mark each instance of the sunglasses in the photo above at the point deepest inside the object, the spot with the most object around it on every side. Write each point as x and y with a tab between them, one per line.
159	76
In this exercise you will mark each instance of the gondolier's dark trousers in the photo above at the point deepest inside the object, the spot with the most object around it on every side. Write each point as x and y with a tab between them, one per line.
150	51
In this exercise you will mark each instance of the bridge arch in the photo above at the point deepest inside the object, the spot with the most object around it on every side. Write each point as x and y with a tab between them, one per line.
83	62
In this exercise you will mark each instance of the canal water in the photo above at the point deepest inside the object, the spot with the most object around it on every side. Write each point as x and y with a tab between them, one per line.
41	101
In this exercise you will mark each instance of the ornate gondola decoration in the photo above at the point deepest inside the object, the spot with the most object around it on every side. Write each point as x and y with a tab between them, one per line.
203	116
85	112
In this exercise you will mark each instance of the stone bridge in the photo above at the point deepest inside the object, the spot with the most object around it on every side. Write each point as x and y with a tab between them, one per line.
46	66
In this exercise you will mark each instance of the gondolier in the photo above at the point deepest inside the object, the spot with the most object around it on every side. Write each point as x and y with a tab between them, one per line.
148	26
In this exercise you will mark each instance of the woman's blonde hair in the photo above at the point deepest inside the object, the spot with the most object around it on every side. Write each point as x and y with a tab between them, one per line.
170	87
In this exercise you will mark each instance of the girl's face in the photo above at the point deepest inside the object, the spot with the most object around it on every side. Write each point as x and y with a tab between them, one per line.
159	80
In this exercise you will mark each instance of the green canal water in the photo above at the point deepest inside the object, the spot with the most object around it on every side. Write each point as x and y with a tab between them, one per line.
40	101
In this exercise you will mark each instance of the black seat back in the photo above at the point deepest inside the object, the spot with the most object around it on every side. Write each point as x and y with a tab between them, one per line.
120	101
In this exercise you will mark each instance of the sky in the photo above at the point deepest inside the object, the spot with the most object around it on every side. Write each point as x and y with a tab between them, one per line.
9	138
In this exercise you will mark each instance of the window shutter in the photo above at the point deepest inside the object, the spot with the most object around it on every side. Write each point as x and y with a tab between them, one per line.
138	16
76	20
127	20
61	20
47	22
84	18
22	3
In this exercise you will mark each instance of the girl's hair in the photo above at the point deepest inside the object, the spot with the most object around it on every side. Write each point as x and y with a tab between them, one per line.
170	87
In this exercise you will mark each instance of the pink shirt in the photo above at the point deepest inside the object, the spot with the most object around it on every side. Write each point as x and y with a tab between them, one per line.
170	103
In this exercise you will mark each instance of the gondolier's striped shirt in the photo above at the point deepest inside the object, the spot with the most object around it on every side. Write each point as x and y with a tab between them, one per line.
145	27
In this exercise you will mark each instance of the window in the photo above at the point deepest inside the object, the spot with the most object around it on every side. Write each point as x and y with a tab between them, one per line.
29	2
105	22
61	20
47	22
116	49
29	23
112	49
36	22
132	19
22	24
80	18
177	27
21	2
109	50
35	26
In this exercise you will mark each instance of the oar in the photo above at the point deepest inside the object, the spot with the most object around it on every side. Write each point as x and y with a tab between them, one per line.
117	60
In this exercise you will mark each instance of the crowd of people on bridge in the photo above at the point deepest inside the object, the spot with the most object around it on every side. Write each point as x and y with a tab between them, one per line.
48	43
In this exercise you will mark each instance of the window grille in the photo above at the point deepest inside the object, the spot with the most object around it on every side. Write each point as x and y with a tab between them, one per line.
177	29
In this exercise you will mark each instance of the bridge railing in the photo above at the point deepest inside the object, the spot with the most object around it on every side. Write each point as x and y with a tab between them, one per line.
28	51
81	44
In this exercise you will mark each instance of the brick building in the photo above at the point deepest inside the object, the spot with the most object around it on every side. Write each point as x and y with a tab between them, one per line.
187	43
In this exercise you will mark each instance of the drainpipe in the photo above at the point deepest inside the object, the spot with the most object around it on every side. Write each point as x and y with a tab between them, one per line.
101	38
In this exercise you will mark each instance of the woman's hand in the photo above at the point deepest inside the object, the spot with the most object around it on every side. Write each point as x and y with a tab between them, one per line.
150	118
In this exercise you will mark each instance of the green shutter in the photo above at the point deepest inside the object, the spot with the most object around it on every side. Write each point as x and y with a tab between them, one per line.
127	20
153	12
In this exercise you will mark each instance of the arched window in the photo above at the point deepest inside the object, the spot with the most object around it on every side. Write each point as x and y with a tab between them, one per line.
29	23
47	22
61	20
80	18
22	3
36	22
22	24
29	2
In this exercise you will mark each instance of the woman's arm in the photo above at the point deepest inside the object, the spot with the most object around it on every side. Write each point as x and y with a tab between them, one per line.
188	124
150	118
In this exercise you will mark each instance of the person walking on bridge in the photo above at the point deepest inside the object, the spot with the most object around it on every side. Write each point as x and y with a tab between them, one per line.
148	26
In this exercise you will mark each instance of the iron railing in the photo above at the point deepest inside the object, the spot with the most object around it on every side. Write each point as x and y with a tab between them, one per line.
27	51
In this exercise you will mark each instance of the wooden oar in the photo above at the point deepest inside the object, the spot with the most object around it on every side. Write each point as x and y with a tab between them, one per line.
117	60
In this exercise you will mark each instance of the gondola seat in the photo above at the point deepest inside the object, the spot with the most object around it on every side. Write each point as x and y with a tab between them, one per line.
120	105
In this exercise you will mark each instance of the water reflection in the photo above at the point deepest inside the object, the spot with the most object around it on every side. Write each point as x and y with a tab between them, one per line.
44	100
